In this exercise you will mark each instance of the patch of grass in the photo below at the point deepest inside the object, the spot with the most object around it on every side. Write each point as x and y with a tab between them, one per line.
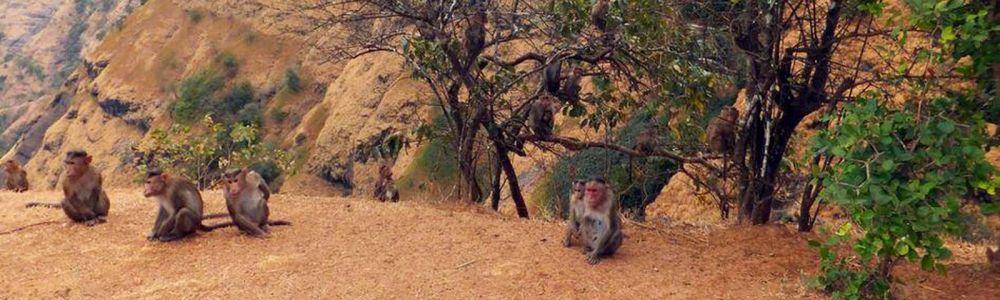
31	67
195	16
317	119
249	37
230	65
292	81
278	115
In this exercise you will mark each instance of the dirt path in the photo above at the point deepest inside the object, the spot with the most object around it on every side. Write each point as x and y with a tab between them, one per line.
366	249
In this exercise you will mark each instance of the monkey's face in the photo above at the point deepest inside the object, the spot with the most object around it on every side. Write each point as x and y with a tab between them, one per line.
10	166
77	166
577	190
154	186
235	183
730	114
595	193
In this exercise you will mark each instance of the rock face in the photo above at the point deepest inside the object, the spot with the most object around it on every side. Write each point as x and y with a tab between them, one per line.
42	42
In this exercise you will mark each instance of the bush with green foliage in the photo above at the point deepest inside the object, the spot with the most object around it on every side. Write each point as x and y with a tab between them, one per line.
195	16
901	178
292	81
202	156
195	95
230	65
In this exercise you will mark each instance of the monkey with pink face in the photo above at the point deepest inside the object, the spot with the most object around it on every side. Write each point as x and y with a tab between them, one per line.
600	226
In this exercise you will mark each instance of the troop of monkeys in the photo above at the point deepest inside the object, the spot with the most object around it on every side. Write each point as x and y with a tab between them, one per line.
180	203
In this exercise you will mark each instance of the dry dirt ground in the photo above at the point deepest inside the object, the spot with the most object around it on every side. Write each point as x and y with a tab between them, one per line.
353	248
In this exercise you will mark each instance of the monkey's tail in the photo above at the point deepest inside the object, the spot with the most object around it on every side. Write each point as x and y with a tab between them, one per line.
279	223
43	205
27	226
214	216
209	228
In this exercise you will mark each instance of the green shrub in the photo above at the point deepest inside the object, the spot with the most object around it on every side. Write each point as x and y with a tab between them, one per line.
195	15
238	96
278	115
230	65
195	95
251	114
292	81
901	179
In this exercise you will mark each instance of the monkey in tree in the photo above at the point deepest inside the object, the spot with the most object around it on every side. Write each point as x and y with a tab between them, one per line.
246	195
599	14
542	116
17	178
551	77
84	198
576	210
384	187
571	90
722	131
993	257
645	142
601	224
475	34
180	206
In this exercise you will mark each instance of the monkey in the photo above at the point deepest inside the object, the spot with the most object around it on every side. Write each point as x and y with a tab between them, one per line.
542	116
722	131
993	257
84	198
599	14
571	91
551	77
384	188
246	195
601	224
576	209
17	178
475	35
179	203
645	142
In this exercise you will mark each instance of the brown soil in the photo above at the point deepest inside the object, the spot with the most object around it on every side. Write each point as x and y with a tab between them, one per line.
367	249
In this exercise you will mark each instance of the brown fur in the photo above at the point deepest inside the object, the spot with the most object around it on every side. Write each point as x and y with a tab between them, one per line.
17	178
475	35
246	195
993	257
576	210
180	207
645	142
542	116
84	198
385	189
721	131
599	14
601	224
571	90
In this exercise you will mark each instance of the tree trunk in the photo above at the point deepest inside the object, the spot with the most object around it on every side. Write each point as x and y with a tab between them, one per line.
759	191
515	187
497	171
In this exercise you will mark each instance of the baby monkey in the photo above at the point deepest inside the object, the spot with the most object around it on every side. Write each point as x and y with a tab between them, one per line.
246	195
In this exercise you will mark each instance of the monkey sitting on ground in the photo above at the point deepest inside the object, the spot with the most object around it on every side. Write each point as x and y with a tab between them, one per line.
246	195
601	224
542	116
84	198
576	209
17	178
721	131
180	206
384	187
993	257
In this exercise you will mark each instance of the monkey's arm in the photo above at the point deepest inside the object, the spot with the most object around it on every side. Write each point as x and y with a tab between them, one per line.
161	216
572	228
265	189
601	244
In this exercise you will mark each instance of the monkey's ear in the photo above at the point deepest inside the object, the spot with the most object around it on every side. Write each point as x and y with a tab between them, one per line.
165	176
88	159
244	170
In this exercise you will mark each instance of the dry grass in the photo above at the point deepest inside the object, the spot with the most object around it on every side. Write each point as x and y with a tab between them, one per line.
347	248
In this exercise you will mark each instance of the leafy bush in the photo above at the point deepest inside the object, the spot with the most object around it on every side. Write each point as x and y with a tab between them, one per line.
195	16
278	115
252	114
292	81
202	156
230	65
901	177
194	96
238	96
